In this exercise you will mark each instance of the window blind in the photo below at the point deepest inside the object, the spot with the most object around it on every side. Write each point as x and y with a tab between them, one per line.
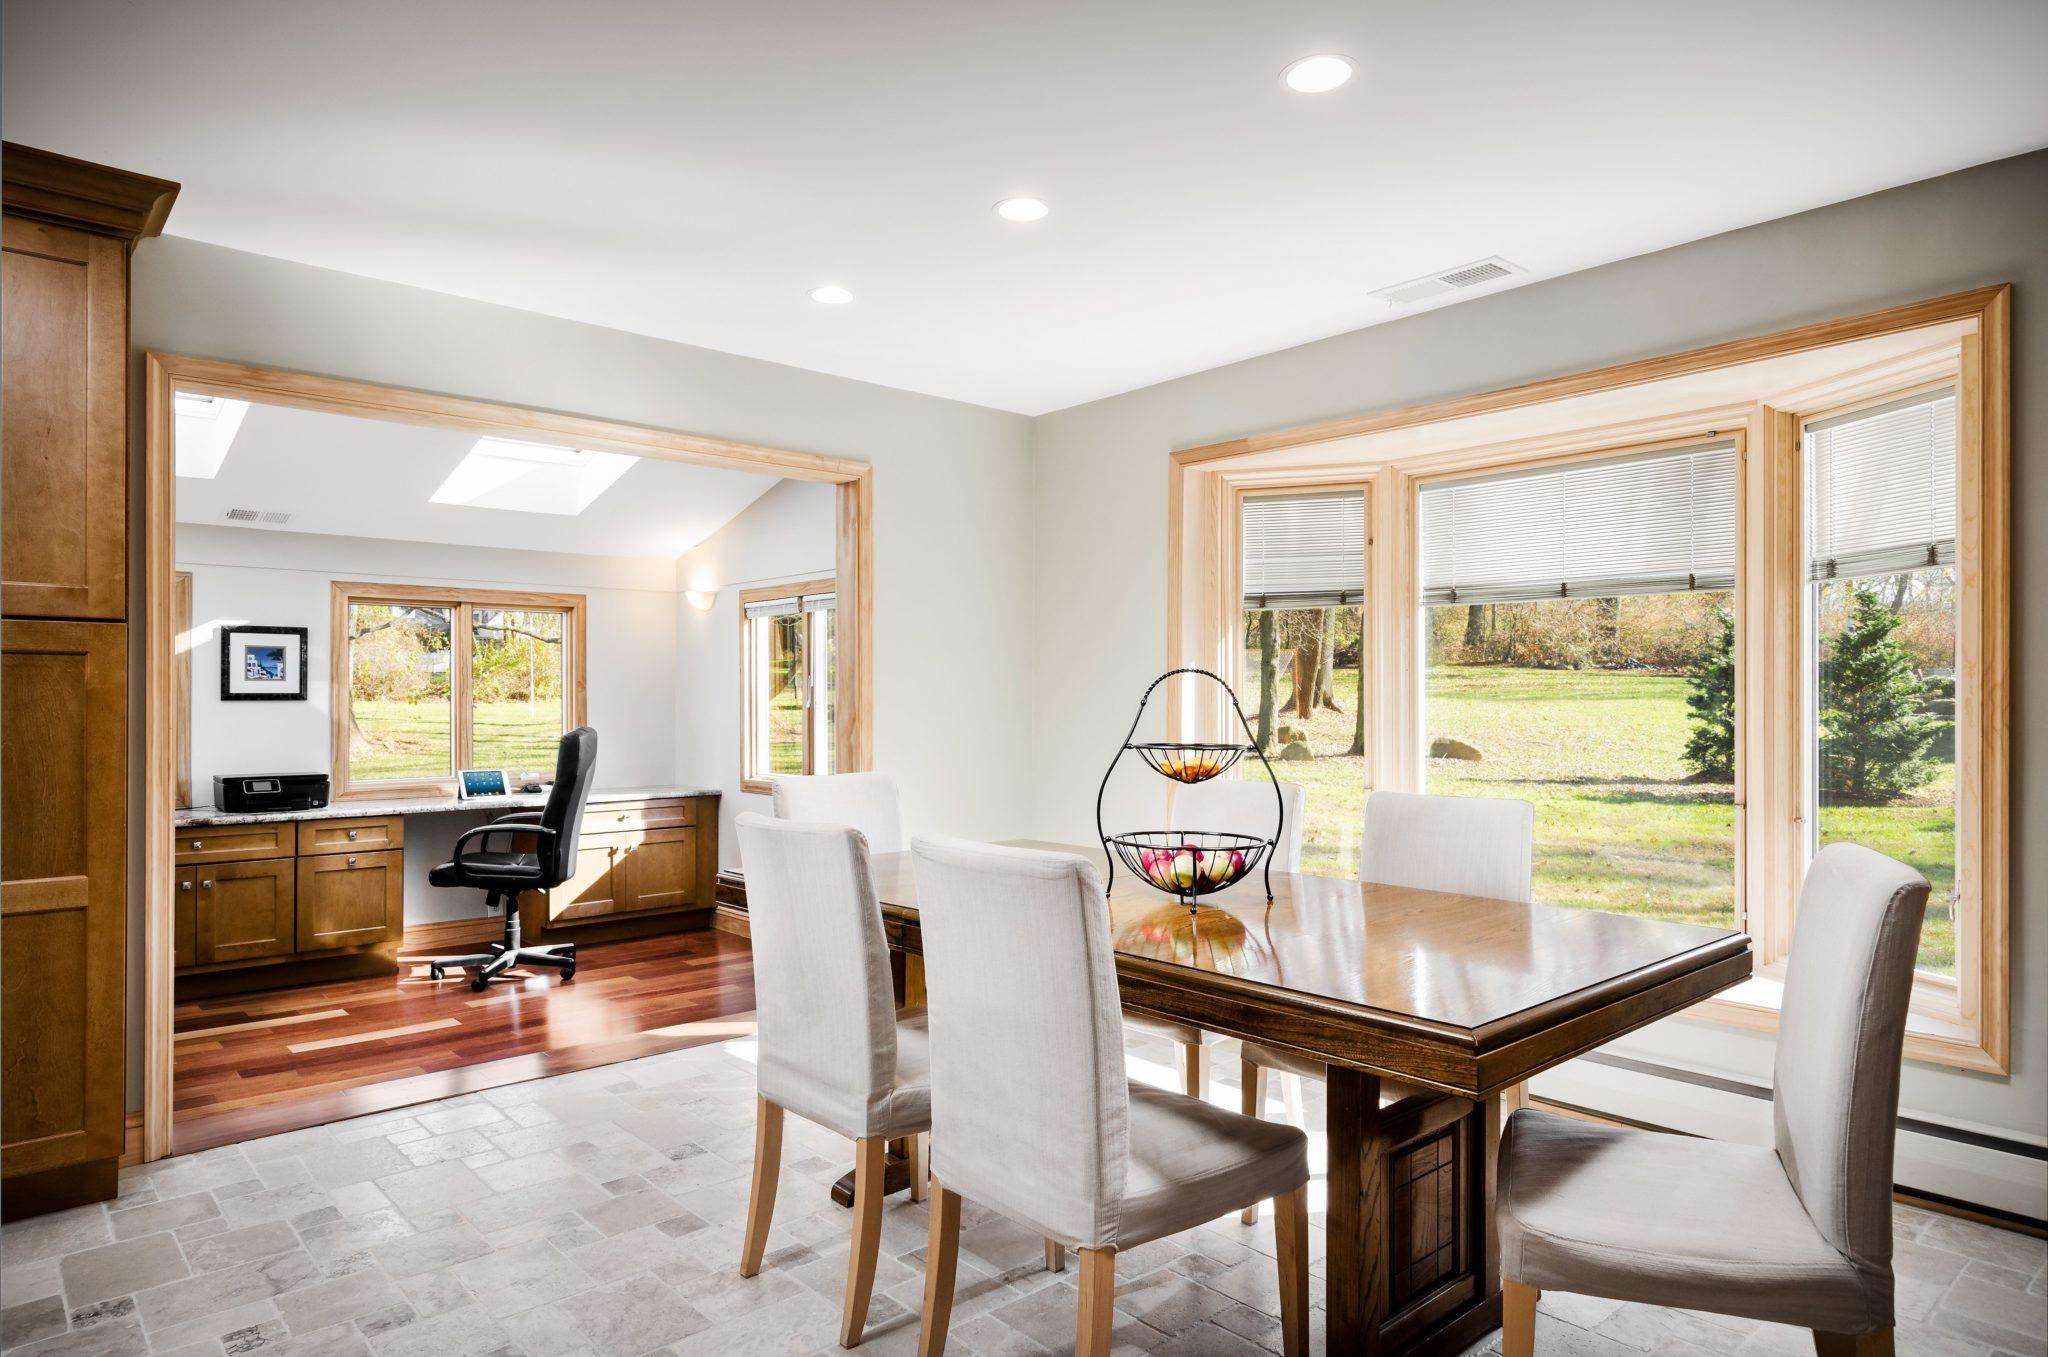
820	603
771	607
1657	523
1304	551
1881	488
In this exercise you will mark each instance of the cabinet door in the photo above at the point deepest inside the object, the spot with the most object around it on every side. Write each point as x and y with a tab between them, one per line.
661	871
594	889
351	899
63	891
64	445
185	918
245	910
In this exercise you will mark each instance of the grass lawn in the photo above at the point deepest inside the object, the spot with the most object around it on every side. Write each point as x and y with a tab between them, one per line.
396	740
1618	825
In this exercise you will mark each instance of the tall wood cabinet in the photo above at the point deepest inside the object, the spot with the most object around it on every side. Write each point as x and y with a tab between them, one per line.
64	669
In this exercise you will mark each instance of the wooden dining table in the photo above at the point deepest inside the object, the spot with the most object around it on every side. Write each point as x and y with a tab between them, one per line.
1424	1006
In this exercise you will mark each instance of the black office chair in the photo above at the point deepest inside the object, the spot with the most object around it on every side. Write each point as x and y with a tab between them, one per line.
503	874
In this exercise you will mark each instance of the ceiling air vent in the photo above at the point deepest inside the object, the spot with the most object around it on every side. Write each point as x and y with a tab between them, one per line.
255	516
1476	274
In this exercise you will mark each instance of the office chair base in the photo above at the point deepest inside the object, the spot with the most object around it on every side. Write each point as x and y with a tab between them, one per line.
503	956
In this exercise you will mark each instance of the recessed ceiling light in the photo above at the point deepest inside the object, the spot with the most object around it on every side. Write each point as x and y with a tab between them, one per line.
1317	74
1021	209
831	295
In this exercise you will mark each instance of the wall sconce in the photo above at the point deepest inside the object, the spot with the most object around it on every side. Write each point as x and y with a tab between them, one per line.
701	599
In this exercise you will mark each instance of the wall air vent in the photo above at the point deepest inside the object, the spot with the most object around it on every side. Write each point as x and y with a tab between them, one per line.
255	516
1476	274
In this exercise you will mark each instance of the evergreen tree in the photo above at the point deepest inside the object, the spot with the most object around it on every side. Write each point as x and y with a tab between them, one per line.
1710	748
1874	733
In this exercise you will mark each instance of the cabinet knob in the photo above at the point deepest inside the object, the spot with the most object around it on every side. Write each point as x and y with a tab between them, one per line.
184	885
352	835
206	885
197	845
351	860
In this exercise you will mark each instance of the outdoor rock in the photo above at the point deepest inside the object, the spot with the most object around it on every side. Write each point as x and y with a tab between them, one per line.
1454	749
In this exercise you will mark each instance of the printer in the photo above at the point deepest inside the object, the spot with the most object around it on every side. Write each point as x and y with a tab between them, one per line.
252	793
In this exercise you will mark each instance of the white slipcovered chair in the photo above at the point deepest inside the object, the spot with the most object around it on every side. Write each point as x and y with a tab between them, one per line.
1796	1233
1054	1136
1232	806
866	801
832	1048
1470	845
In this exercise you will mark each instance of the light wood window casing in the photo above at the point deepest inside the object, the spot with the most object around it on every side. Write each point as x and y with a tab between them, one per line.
811	627
1757	393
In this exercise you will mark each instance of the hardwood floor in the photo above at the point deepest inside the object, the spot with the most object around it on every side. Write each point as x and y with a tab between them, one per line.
255	1064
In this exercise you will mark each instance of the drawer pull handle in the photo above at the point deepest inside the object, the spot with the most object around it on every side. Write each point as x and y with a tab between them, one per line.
351	861
197	845
206	885
352	835
184	885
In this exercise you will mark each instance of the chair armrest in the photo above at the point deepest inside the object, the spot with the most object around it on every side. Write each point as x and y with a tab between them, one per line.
496	827
520	817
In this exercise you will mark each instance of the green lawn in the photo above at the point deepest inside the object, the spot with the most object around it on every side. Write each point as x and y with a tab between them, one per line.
395	740
1619	826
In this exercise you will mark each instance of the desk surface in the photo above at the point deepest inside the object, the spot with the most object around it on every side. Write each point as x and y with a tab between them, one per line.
421	805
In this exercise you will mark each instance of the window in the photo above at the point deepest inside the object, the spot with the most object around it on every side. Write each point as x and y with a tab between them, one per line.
789	708
431	680
1303	659
1881	614
1572	618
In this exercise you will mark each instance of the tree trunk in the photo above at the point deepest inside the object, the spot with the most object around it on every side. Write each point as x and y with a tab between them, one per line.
1308	669
1268	677
1472	635
1900	584
1610	617
1326	663
1358	731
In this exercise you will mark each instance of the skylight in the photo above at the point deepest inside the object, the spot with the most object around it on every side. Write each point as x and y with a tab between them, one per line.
531	478
206	428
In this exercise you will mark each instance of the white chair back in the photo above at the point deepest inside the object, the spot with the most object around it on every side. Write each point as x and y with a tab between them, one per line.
1840	1032
866	801
1030	1108
1243	805
823	995
1470	845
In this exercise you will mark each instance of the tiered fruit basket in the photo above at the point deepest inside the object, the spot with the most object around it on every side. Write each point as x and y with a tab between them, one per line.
1189	864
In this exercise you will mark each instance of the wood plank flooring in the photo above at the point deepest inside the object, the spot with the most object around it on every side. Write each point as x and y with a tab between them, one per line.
255	1064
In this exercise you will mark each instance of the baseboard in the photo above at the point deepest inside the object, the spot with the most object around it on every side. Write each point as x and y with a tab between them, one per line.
131	1141
727	919
450	935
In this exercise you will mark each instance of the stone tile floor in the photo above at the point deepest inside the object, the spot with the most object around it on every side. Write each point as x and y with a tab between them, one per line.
599	1213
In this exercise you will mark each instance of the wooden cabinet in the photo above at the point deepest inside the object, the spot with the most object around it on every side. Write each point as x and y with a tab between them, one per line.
368	835
185	918
594	889
661	871
233	843
350	900
639	864
246	910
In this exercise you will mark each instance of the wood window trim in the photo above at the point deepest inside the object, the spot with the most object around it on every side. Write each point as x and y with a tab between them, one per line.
751	780
345	594
1964	1024
165	374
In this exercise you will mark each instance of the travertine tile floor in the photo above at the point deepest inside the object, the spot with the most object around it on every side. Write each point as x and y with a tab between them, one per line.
599	1213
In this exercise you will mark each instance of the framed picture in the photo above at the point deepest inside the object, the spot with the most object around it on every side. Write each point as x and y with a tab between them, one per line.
262	664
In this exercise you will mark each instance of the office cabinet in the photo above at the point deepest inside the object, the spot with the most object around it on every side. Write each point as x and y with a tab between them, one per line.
661	871
641	867
594	889
245	910
350	900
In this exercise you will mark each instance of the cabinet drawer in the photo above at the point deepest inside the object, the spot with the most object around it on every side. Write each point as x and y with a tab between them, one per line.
368	835
234	843
620	816
351	899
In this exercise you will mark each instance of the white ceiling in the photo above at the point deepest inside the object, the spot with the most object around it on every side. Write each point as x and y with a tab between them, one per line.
369	478
692	170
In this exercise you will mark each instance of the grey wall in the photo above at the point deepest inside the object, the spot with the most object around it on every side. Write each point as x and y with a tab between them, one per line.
1099	487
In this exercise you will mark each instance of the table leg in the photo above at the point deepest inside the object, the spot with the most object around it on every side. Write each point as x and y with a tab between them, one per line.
1356	1287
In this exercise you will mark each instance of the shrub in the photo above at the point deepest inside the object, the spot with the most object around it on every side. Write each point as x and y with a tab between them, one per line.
1874	732
1710	748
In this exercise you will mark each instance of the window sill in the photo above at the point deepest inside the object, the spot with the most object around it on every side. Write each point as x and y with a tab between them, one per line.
759	786
1931	1037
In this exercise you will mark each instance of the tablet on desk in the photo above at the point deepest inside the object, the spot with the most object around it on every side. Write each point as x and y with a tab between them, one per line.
472	783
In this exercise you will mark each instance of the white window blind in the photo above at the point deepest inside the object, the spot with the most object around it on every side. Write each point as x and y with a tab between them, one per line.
772	607
1304	551
1657	523
1881	488
820	603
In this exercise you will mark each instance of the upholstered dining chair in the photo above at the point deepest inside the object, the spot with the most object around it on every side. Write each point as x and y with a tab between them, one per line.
1798	1232
1233	806
1054	1136
1470	845
832	1047
866	801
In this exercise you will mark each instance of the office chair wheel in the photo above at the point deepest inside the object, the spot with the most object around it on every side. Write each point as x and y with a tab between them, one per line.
434	971
479	982
568	974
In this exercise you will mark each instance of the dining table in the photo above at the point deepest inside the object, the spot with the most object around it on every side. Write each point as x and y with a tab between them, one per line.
1423	1007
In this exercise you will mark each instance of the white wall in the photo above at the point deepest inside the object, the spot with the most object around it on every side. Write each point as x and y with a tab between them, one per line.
788	534
283	578
1099	538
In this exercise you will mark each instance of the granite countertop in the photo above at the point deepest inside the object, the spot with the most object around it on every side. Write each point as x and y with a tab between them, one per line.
420	805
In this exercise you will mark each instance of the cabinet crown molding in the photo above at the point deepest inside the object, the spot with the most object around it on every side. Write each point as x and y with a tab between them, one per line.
77	193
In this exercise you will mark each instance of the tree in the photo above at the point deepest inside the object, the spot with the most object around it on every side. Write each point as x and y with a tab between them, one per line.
1874	733
1710	748
1268	657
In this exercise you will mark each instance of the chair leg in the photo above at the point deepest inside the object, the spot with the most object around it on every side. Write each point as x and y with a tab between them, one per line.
1290	1234
1055	1256
920	1167
870	1167
1098	1300
1194	1069
1876	1343
1251	1080
761	1196
1518	1319
941	1260
1290	1092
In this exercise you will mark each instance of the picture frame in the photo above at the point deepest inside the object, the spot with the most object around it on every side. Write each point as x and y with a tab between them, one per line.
262	664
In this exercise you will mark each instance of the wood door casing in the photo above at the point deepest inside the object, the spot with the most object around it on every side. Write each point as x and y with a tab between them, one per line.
351	899
64	447
246	910
63	891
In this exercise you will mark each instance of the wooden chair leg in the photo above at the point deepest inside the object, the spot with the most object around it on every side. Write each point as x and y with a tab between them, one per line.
941	1260
1251	1080
1876	1343
1290	1092
920	1167
1517	1319
870	1170
1098	1301
761	1196
1194	1069
1290	1234
1055	1256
